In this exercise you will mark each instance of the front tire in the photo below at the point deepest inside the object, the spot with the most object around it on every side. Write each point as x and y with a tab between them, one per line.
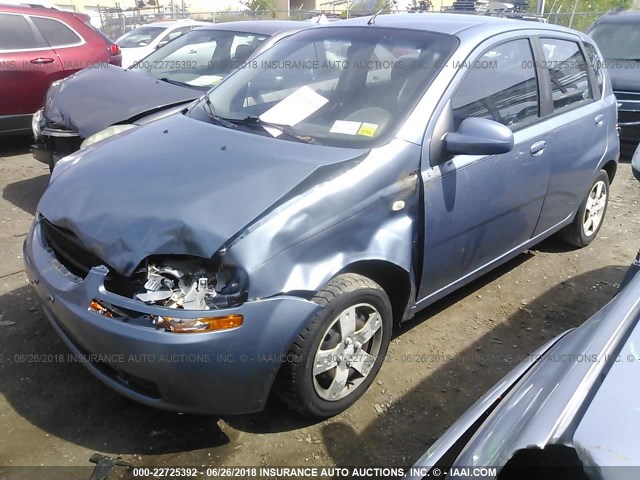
338	355
590	215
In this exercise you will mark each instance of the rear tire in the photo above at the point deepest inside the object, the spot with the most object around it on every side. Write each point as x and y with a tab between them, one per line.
590	215
334	360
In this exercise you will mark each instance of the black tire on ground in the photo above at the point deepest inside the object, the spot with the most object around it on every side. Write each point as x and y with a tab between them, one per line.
296	384
574	233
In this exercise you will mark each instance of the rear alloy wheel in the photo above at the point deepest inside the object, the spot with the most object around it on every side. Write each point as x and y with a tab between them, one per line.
594	209
590	216
337	356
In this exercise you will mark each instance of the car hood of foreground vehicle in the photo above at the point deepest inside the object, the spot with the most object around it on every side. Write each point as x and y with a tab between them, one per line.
581	395
96	98
179	186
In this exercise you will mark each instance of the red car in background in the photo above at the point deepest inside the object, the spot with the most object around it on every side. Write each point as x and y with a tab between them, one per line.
37	47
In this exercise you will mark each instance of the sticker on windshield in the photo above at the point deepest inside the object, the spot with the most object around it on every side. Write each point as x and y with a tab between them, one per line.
345	127
294	108
206	81
368	129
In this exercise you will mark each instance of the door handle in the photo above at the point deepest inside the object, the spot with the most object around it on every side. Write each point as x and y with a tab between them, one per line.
41	61
537	148
599	119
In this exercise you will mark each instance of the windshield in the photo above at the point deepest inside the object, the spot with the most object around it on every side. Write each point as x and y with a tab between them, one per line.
342	86
139	37
617	41
201	58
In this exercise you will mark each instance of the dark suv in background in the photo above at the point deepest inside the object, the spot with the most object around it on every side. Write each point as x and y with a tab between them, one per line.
617	35
37	47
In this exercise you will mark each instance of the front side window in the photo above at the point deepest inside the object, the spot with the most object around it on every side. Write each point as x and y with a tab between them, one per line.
200	58
56	33
501	85
342	86
139	37
568	73
16	33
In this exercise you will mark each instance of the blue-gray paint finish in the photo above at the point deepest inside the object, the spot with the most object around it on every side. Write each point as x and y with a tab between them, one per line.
228	371
562	396
292	215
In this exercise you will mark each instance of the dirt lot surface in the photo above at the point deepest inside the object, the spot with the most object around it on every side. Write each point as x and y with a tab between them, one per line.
57	414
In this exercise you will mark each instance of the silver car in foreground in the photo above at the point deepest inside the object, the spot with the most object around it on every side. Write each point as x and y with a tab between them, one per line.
571	412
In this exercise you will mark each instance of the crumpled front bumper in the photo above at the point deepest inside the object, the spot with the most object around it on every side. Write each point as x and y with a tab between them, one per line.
51	144
223	372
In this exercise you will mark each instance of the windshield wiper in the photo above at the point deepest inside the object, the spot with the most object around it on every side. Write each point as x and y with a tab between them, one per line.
175	82
211	113
285	129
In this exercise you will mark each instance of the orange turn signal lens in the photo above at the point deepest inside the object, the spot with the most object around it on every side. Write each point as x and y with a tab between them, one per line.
199	325
98	307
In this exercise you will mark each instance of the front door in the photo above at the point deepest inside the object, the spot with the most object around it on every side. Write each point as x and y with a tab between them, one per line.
480	208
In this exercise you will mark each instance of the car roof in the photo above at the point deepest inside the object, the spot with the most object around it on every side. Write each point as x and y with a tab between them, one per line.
620	16
266	27
173	23
451	23
35	9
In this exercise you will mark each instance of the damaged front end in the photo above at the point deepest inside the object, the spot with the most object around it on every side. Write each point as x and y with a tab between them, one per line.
186	283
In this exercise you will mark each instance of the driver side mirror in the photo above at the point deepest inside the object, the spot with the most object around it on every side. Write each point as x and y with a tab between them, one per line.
635	163
161	44
479	136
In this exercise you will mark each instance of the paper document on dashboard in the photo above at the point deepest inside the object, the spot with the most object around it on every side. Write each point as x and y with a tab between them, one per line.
294	108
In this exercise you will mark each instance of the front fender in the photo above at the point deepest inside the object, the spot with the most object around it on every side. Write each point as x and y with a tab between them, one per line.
366	213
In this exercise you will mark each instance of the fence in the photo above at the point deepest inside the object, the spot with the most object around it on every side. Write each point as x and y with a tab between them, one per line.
578	21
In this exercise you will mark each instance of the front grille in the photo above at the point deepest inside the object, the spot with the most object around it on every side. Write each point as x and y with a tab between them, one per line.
69	250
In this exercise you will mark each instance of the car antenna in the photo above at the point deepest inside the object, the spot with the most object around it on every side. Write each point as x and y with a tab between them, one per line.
372	20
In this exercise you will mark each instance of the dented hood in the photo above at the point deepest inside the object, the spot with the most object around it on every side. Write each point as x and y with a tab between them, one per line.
96	98
176	186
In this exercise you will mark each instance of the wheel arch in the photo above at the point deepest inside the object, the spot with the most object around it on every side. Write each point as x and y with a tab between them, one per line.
394	280
611	167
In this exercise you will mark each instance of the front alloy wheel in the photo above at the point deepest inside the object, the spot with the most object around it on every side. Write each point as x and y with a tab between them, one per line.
346	355
336	357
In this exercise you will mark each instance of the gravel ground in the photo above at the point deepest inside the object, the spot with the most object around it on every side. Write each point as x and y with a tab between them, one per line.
57	414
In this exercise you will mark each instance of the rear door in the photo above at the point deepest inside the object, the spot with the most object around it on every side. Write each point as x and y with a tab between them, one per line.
478	209
28	65
581	119
70	46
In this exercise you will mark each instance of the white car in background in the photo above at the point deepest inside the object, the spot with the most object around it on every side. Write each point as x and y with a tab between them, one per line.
143	40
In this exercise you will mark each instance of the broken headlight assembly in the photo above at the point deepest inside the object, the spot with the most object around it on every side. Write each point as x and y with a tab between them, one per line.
189	283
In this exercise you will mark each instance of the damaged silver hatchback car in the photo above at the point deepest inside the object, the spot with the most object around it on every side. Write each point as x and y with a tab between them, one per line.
269	237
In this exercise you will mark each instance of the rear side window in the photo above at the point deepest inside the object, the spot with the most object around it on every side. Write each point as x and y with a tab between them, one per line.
568	73
501	85
16	33
596	63
56	33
